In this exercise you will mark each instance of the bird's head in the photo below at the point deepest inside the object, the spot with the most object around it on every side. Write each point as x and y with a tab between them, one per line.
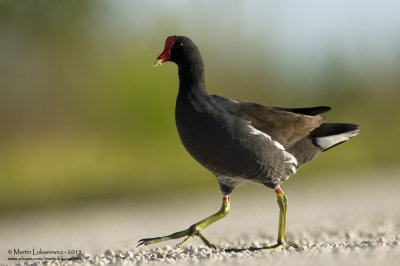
177	49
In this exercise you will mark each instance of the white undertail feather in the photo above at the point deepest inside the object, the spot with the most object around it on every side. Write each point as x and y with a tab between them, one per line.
329	141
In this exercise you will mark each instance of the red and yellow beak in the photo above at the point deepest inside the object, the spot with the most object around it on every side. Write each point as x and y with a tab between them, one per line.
166	54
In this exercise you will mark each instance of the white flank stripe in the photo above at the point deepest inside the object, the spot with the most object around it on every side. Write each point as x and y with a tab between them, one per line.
293	168
255	131
278	145
329	141
289	158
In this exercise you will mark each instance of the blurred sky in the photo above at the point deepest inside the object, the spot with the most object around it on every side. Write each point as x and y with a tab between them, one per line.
297	30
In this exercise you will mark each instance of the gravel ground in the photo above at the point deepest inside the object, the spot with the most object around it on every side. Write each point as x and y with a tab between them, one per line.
335	221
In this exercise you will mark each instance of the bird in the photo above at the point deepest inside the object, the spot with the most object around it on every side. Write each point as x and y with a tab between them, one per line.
240	141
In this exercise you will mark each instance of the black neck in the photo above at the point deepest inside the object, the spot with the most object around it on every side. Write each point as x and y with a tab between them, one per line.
191	76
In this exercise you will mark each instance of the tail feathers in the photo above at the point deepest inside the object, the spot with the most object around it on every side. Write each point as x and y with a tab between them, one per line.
329	135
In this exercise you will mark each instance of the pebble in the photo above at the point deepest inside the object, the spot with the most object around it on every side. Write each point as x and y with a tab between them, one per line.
109	252
303	248
351	235
128	254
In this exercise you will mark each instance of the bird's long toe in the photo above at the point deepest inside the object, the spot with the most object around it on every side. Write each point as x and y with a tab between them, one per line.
148	241
292	244
153	240
188	233
278	246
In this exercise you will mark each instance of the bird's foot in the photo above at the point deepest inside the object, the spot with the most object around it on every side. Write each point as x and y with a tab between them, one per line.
280	245
192	231
282	239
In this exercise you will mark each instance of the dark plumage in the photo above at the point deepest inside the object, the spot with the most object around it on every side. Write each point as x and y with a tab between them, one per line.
242	141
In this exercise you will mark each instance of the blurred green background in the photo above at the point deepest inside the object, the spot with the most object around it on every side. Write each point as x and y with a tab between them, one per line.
84	115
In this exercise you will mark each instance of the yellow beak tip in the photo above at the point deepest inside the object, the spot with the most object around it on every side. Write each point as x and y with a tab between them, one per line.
157	63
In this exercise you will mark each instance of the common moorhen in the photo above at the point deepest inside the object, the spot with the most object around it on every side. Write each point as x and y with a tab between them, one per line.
241	141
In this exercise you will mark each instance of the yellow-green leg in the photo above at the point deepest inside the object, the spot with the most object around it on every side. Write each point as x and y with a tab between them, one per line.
282	240
193	230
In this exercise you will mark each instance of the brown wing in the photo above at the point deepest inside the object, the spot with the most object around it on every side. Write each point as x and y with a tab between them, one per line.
280	124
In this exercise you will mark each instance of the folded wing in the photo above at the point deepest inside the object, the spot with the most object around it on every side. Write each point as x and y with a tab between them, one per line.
284	125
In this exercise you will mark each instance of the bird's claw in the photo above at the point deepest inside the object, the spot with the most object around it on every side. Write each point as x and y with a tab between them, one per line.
145	241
